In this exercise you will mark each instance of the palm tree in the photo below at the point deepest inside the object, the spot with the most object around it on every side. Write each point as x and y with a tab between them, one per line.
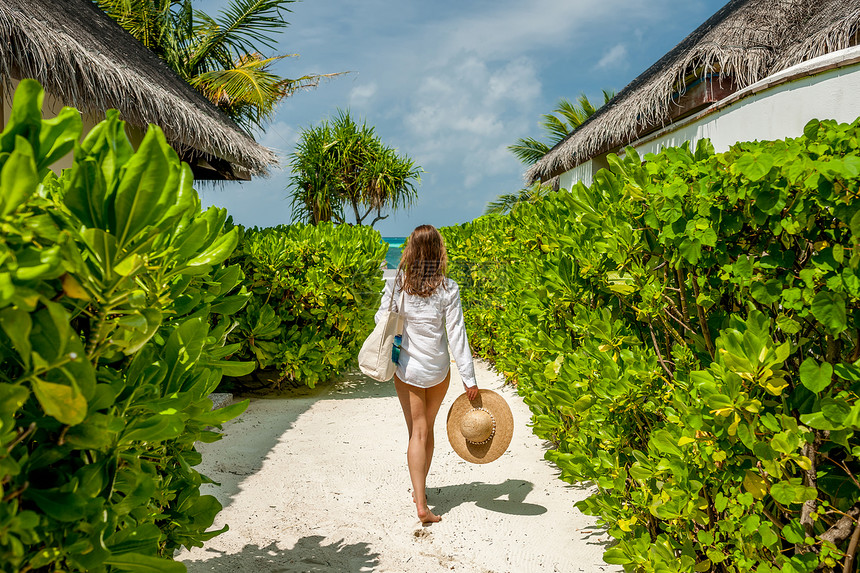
564	119
506	203
340	165
219	56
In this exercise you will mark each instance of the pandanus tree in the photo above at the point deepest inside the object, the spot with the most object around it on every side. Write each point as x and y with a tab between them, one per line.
221	57
341	166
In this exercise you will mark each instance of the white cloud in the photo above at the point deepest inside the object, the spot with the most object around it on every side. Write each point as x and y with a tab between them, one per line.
492	161
462	116
518	27
362	94
517	81
452	84
616	55
280	136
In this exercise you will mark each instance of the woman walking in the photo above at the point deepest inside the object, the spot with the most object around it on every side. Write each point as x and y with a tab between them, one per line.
431	304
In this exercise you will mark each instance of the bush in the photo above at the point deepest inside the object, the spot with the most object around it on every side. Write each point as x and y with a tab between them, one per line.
112	329
686	331
315	289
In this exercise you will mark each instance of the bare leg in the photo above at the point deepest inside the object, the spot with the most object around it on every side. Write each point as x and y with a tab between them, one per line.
420	406
435	396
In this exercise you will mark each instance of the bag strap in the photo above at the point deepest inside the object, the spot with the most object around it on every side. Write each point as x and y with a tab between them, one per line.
399	331
402	314
402	295
393	288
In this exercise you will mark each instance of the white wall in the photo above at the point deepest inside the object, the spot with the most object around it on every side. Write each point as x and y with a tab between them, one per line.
774	108
581	172
775	113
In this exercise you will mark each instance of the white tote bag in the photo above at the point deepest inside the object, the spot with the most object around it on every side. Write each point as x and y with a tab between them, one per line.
375	357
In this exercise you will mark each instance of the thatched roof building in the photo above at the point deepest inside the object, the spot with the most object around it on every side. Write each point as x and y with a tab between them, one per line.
743	43
86	60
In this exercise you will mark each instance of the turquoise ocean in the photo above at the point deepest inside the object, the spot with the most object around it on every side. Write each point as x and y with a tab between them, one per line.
392	257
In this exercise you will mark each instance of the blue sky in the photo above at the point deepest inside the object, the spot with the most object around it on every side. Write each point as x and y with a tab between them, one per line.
451	84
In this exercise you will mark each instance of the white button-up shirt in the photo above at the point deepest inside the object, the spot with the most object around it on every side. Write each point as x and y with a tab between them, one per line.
424	359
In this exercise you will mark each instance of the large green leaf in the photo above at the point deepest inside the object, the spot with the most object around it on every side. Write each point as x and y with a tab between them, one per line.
665	443
139	563
183	349
754	166
60	505
18	177
17	324
221	415
104	248
139	200
65	403
234	368
755	484
218	251
814	376
85	193
12	397
143	539
58	136
156	428
829	309
26	116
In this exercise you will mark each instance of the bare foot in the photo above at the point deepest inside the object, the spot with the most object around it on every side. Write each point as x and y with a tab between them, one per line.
427	516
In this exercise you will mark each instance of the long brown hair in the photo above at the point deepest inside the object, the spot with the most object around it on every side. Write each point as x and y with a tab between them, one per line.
424	263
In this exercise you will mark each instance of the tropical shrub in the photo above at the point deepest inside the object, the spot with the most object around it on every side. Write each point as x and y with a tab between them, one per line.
113	319
686	331
314	291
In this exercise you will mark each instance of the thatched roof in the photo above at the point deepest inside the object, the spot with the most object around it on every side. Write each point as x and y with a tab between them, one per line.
745	41
85	59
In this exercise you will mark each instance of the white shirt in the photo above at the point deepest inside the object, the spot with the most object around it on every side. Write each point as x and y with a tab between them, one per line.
424	359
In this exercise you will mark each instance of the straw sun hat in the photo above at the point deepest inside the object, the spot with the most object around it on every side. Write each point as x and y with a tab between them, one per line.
480	431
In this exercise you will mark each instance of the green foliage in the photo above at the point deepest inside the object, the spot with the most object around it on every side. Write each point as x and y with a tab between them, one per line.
686	331
109	343
340	165
315	289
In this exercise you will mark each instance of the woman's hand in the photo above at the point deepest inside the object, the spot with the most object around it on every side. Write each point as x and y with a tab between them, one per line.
471	392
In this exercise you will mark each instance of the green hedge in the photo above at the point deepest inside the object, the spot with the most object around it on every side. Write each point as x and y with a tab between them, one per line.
314	291
112	329
686	331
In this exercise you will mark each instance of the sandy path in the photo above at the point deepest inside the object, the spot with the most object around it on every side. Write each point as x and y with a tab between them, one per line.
316	481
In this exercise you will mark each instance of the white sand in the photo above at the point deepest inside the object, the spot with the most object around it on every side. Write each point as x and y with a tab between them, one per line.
316	481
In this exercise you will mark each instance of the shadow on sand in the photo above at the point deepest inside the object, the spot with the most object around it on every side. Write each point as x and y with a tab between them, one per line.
252	435
506	497
309	555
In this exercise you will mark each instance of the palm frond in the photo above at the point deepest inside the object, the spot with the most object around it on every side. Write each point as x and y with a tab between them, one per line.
244	26
555	127
586	106
529	150
509	201
564	119
608	95
503	204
